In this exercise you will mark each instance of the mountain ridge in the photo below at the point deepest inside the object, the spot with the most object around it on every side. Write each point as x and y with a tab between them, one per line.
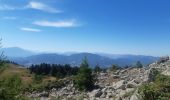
75	59
17	52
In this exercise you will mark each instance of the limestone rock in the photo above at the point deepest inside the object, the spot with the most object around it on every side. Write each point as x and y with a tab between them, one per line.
95	93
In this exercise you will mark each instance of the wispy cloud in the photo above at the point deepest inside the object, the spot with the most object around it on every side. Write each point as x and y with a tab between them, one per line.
9	18
42	7
58	24
31	5
30	29
6	7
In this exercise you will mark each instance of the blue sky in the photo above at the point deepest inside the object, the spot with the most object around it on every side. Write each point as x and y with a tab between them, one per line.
110	26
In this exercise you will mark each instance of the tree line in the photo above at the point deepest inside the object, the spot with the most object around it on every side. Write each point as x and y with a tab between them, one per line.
55	70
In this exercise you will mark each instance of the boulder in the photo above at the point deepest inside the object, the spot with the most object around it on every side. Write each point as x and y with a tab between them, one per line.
123	87
103	95
137	81
131	85
118	84
115	76
44	94
109	95
95	93
104	89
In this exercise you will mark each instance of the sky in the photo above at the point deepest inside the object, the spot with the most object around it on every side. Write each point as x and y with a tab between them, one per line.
140	27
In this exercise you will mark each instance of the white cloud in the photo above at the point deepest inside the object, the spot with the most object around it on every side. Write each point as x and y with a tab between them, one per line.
68	23
31	5
42	6
30	29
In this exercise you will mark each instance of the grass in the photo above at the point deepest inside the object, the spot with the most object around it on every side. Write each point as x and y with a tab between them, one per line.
28	80
11	70
8	70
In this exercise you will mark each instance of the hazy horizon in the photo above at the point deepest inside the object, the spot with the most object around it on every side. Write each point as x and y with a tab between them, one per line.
77	52
113	26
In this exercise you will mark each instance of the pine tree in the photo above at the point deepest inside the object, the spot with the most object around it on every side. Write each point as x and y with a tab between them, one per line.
139	64
97	69
84	79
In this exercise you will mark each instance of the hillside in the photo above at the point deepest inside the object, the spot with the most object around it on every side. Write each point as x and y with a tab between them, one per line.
11	70
27	78
124	84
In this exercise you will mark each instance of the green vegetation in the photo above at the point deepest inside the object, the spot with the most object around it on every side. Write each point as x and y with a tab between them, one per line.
15	80
159	89
129	94
97	69
154	73
38	78
55	70
11	85
29	82
84	79
138	64
114	67
2	68
48	76
10	88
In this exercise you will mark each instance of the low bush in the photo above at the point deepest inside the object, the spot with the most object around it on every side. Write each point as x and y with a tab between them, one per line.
11	88
159	89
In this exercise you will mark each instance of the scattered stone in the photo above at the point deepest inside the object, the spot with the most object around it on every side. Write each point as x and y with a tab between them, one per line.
131	85
109	95
110	84
137	81
44	94
123	87
95	93
103	95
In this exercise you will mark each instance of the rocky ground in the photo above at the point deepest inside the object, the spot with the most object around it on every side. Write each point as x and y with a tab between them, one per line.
119	85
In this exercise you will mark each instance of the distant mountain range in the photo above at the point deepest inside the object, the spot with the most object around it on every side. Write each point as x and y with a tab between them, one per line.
26	57
17	52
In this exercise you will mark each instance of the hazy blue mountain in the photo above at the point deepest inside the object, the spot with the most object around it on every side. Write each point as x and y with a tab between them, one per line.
112	56
93	59
26	57
127	58
17	52
40	58
119	56
76	59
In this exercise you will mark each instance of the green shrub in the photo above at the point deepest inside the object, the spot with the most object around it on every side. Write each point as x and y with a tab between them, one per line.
149	93
159	89
114	67
84	79
97	69
138	64
11	88
38	78
153	74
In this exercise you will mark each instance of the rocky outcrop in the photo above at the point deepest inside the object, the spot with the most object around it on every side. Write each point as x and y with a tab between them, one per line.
163	66
110	85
